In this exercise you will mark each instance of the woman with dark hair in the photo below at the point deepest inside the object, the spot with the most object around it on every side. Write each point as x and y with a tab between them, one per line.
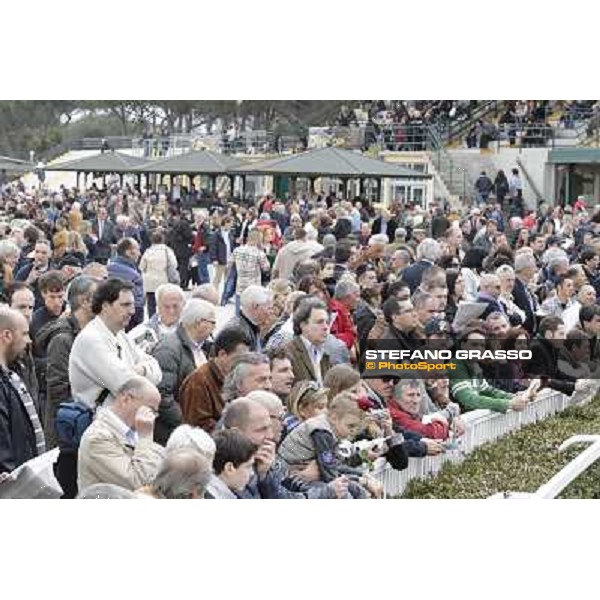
314	286
522	238
456	292
510	375
471	267
501	186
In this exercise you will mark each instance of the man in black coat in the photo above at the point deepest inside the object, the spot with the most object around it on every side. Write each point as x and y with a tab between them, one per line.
525	270
105	232
545	351
384	223
21	434
221	246
180	237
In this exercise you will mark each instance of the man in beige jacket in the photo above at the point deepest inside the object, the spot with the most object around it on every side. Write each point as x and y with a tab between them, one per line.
118	446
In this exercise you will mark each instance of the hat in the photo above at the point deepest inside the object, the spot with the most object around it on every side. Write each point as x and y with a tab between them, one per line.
475	211
436	326
70	260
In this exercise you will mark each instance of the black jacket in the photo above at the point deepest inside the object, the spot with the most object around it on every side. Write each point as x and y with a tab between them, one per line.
17	437
521	299
55	341
252	332
544	364
180	237
217	247
342	229
391	227
109	232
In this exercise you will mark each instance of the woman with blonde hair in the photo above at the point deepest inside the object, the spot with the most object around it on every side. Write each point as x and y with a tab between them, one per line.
76	246
60	239
281	289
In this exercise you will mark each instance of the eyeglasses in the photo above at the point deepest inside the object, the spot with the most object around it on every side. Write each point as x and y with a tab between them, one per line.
209	321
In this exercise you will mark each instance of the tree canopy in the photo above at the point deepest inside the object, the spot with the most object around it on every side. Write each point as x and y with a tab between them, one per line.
39	125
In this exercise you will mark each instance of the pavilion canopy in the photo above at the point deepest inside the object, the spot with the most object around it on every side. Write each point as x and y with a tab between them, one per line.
196	162
328	162
104	162
14	164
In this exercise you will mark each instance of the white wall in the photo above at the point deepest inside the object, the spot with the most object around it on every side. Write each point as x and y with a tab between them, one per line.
534	160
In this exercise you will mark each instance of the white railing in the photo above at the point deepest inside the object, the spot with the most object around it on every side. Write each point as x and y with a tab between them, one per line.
482	426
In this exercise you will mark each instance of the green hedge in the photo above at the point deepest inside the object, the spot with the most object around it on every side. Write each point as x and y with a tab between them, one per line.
520	462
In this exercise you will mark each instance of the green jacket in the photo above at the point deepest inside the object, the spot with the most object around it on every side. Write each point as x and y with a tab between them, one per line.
472	391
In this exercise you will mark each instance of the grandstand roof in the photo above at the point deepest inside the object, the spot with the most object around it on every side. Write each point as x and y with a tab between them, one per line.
104	162
327	162
200	161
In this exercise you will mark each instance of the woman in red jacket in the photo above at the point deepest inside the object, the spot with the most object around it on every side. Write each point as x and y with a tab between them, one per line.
405	409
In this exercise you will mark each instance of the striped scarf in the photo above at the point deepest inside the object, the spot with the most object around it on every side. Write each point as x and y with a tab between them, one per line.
27	401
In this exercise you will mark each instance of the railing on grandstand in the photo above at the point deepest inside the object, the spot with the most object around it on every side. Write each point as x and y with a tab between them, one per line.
454	130
482	426
159	147
527	135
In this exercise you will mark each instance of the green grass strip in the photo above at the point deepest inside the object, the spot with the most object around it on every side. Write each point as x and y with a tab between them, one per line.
520	462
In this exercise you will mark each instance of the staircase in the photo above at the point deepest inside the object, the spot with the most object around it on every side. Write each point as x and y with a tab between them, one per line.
450	180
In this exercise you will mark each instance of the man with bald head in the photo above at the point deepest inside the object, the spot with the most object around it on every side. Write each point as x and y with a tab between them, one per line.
118	446
272	478
21	434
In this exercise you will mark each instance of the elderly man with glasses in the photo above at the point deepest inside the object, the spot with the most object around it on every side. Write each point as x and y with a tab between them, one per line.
117	448
490	289
178	355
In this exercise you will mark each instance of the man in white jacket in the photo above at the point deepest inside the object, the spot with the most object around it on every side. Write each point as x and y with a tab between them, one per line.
293	253
102	356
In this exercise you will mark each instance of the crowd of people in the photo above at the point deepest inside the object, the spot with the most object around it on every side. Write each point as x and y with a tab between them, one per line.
402	125
171	351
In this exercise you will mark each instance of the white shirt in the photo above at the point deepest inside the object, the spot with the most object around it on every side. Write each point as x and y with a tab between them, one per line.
227	240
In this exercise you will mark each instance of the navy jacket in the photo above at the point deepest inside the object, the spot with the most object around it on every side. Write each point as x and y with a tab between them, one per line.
217	247
124	268
412	275
492	306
